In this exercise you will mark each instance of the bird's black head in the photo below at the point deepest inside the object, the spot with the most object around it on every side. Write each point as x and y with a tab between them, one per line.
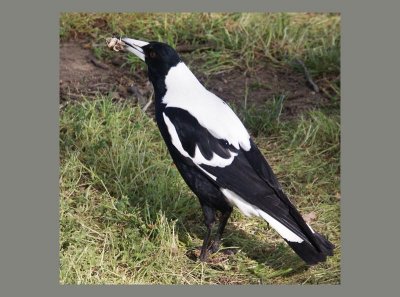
159	57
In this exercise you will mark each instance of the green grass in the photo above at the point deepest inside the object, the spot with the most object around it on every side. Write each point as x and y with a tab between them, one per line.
264	119
126	216
242	40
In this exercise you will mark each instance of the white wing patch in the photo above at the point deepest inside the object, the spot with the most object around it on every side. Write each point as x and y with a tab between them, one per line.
186	92
216	160
198	159
250	210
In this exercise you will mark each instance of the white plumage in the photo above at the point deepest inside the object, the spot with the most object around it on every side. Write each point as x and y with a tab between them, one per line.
250	210
186	92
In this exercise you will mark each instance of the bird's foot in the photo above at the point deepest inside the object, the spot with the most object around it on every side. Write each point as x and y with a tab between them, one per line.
196	254
229	252
203	257
214	247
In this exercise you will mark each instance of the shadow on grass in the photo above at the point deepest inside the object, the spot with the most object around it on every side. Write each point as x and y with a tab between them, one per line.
235	241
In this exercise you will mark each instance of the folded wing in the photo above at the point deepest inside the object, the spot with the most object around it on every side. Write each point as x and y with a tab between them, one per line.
243	176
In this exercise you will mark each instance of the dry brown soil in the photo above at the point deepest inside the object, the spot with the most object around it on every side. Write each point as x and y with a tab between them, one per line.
81	74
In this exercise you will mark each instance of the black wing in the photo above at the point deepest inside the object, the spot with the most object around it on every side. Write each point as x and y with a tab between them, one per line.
248	175
192	134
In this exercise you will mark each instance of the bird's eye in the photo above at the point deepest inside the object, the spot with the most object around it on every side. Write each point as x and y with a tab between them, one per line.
152	54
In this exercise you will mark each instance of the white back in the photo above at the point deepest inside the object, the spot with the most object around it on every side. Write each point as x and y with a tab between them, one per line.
186	92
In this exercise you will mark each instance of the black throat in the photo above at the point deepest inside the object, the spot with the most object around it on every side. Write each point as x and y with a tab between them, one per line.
157	74
160	89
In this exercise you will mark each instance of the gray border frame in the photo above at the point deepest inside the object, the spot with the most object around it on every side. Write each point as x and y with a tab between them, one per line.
29	147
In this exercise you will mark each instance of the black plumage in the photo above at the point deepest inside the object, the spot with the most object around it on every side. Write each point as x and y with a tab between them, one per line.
217	158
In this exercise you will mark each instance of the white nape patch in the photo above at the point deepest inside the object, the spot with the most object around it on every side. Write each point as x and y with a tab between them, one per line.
216	160
137	47
250	210
186	92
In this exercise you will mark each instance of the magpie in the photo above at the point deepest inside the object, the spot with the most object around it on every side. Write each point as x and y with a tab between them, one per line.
216	156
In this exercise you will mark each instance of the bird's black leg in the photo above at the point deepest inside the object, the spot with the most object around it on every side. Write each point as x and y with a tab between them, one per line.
209	219
222	223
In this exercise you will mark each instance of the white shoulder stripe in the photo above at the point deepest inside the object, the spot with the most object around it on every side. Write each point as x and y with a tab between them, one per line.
250	210
174	136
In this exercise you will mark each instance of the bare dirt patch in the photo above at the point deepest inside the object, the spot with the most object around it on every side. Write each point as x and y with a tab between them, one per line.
263	84
82	75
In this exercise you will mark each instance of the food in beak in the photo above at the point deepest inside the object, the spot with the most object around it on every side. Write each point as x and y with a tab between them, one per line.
115	43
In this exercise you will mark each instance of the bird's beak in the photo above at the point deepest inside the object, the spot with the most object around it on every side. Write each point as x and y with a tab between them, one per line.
135	46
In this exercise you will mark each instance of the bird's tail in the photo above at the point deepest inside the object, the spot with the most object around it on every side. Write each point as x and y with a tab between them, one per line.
309	245
313	254
316	247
